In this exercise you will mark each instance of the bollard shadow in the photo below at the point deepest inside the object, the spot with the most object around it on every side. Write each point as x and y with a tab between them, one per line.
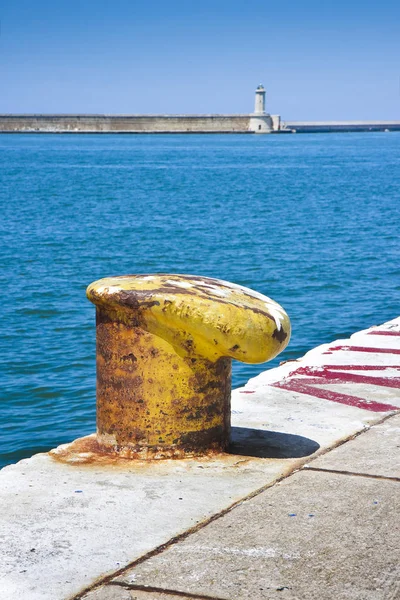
270	444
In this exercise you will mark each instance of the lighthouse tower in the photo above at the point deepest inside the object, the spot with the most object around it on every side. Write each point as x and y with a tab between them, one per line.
259	108
260	121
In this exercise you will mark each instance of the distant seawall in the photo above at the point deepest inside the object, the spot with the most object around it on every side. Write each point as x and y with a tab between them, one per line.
125	123
249	123
336	126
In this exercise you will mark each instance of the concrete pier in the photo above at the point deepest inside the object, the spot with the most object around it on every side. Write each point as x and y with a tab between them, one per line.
252	123
124	123
338	126
305	504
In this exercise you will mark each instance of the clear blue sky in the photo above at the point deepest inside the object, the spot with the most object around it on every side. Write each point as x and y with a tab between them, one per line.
318	59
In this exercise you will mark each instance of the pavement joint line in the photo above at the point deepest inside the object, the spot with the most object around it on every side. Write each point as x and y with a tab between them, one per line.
339	443
350	473
178	538
167	592
306	466
175	540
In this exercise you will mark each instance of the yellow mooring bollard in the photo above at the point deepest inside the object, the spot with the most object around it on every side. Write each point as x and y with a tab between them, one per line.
164	350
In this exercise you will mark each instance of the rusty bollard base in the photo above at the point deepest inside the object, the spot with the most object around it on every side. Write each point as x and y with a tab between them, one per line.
164	350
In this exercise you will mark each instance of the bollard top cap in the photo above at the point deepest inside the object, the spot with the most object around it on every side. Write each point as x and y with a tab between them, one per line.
197	315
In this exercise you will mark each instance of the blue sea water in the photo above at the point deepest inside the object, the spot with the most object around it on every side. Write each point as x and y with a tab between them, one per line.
310	220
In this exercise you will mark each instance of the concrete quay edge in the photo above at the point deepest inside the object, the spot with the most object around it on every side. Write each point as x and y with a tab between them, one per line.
67	528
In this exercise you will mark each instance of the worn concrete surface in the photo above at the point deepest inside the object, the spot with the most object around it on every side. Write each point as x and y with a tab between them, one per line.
63	526
376	452
312	536
66	526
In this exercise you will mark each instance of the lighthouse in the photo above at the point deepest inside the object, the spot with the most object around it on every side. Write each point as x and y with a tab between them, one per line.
259	108
260	121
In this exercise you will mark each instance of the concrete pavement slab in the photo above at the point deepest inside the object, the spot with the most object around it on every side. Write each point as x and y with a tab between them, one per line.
376	452
63	526
314	535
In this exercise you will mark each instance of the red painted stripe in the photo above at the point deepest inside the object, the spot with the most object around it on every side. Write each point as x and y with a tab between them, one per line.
246	392
329	376
352	378
365	349
301	386
353	367
384	332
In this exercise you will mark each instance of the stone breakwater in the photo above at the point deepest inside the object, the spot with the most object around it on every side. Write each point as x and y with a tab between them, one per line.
241	123
124	124
139	123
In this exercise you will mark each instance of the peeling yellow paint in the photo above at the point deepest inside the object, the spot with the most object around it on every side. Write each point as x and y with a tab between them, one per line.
164	350
219	318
